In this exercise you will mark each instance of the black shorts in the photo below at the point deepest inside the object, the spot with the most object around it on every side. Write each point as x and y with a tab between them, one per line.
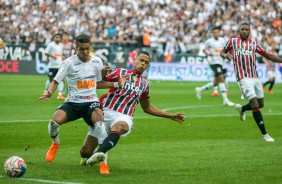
53	72
217	70
84	110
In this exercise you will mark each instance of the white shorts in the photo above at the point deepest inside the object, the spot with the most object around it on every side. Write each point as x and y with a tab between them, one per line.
271	73
112	117
251	87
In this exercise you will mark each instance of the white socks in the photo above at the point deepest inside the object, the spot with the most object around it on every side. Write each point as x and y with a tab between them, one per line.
100	131
223	91
53	129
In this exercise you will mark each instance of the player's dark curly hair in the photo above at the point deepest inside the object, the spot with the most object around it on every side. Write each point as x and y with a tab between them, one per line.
83	38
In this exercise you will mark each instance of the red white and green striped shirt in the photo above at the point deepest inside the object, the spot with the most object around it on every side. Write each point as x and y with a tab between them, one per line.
244	56
125	98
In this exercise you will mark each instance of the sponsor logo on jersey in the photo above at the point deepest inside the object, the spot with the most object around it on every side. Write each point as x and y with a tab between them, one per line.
130	86
85	84
244	52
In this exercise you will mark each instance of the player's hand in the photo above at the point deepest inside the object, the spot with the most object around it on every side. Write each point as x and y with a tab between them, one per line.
179	117
228	56
44	97
122	80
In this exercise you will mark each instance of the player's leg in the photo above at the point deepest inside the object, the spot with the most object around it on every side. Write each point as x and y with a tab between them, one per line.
65	113
253	91
61	91
215	91
255	105
266	83
257	114
222	86
97	119
271	75
120	125
207	86
269	80
248	92
271	86
199	90
59	118
60	86
110	142
89	146
49	80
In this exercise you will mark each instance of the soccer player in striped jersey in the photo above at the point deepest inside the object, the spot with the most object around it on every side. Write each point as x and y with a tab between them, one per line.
243	54
119	105
213	47
271	70
84	74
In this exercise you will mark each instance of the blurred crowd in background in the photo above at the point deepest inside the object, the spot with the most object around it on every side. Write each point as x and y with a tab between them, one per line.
168	26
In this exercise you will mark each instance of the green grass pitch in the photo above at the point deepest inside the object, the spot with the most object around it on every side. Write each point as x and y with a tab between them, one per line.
212	147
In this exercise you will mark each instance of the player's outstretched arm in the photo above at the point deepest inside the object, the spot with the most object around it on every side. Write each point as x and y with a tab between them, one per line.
104	84
272	57
47	94
150	109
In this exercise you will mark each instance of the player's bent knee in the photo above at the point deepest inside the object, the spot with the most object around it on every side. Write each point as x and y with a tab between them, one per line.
121	127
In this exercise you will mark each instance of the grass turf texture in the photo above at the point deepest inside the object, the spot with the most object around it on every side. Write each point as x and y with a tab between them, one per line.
212	146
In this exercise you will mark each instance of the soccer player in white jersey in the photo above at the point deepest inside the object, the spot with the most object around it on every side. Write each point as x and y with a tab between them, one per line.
54	52
213	47
244	51
83	74
119	105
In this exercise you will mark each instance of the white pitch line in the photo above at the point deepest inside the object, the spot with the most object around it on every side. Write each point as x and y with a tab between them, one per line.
167	109
41	180
191	107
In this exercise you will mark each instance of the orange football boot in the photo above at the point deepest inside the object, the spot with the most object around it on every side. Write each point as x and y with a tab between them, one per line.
51	153
60	97
215	93
104	169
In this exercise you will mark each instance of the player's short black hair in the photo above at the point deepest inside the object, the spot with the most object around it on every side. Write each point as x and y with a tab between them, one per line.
144	52
83	38
215	28
245	24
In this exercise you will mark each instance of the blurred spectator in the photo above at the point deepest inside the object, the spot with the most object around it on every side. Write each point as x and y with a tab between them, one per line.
131	56
119	56
146	39
123	21
2	44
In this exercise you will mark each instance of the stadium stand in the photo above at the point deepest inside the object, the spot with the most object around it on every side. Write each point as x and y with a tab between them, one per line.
184	24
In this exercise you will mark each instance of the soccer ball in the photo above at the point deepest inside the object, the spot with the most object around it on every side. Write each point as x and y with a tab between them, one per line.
15	167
